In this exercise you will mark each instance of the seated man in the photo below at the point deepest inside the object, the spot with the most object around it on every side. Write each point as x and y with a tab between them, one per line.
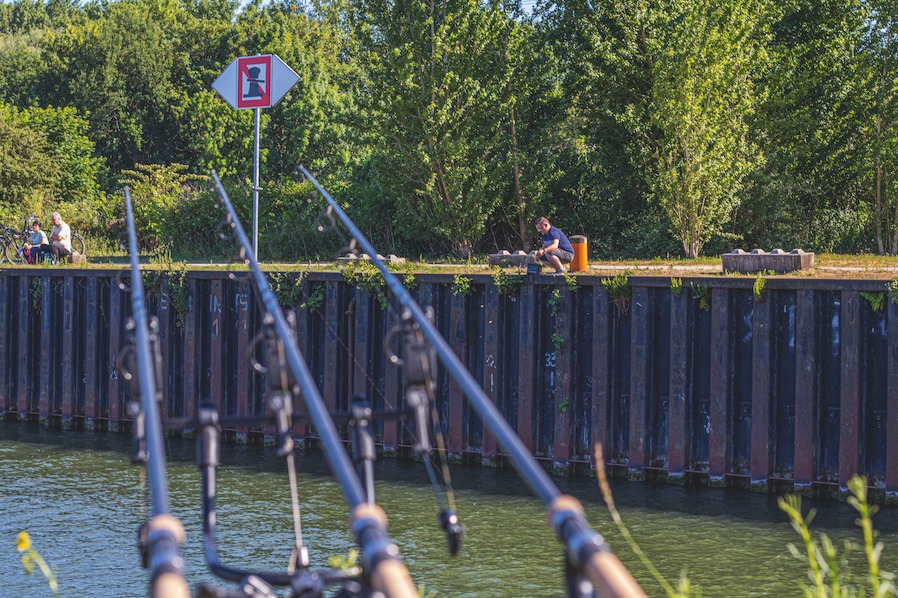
60	238
39	243
557	249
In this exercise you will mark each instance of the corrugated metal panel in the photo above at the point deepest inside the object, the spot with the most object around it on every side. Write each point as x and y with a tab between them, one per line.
803	385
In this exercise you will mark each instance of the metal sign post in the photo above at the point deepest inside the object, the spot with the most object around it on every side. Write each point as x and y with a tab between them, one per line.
256	185
255	82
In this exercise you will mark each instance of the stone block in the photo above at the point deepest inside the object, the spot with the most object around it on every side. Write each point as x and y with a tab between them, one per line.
505	259
390	259
758	260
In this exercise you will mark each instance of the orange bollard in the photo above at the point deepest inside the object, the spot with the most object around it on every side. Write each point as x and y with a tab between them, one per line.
579	263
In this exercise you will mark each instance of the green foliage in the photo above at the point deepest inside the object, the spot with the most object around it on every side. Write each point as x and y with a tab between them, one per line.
507	284
564	405
286	288
676	286
151	281
160	195
829	571
702	294
618	288
571	281
657	126
462	285
554	301
557	341
29	175
406	272
178	291
812	104
892	291
315	299
348	562
434	94
877	299
703	101
80	170
757	288
364	275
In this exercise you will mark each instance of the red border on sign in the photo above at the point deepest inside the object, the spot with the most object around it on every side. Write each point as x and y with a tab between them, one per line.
264	86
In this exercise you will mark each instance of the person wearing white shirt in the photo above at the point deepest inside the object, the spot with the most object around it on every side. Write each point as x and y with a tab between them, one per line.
60	238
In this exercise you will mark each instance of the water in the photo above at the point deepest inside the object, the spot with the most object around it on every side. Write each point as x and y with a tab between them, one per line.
81	500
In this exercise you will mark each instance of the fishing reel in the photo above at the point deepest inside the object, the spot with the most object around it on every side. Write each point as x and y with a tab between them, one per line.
419	367
281	385
126	365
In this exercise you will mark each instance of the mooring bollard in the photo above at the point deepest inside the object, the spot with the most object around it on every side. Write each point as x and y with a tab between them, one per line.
579	263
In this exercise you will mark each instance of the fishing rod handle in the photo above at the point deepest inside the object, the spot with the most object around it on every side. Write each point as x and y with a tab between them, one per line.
170	582
170	585
388	574
598	564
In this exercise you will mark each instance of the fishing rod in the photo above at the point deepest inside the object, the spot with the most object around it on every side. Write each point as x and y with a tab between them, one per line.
161	536
381	564
589	558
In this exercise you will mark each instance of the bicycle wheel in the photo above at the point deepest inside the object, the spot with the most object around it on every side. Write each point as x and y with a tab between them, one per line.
77	244
15	251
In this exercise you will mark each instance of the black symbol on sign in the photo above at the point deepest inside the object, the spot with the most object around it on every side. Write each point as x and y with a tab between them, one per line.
255	83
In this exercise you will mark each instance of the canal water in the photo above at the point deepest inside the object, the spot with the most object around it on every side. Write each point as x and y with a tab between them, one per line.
81	500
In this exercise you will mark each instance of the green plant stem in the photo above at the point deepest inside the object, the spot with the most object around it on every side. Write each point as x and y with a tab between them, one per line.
791	505
858	486
618	521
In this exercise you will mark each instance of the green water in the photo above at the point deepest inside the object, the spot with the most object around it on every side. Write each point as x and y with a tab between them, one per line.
81	500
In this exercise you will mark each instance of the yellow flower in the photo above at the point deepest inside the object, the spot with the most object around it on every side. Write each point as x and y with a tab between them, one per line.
24	542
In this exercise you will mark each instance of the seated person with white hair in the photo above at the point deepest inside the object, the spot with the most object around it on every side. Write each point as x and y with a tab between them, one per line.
60	238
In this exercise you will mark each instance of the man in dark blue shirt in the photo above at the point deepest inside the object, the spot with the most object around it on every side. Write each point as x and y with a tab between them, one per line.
557	249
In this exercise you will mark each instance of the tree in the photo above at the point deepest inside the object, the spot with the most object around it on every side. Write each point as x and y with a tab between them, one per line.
703	97
603	146
880	48
434	96
810	193
117	68
159	193
28	171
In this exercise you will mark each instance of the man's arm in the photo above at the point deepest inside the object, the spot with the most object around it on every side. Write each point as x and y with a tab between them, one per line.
549	248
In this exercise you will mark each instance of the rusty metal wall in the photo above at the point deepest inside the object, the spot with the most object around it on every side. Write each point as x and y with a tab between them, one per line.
800	388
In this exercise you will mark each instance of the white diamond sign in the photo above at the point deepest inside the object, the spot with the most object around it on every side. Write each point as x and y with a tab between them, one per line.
255	81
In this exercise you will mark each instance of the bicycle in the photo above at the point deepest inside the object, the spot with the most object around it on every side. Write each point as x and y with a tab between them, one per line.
6	234
16	244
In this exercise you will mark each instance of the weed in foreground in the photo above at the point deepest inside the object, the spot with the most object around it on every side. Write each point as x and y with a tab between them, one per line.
684	588
828	570
31	558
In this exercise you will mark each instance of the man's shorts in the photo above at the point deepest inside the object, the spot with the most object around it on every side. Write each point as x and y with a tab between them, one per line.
565	257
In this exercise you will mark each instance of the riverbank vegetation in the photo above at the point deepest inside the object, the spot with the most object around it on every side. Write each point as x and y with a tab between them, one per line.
833	571
654	128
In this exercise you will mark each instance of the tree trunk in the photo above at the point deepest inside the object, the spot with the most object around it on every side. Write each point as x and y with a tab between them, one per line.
523	226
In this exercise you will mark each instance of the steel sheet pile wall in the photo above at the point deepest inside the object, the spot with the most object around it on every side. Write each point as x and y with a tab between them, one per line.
799	385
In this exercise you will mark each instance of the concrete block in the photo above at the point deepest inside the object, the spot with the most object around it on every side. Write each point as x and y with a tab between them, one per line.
506	259
758	260
390	259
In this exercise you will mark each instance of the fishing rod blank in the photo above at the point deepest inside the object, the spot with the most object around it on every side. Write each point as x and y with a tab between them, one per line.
586	550
381	561
162	535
